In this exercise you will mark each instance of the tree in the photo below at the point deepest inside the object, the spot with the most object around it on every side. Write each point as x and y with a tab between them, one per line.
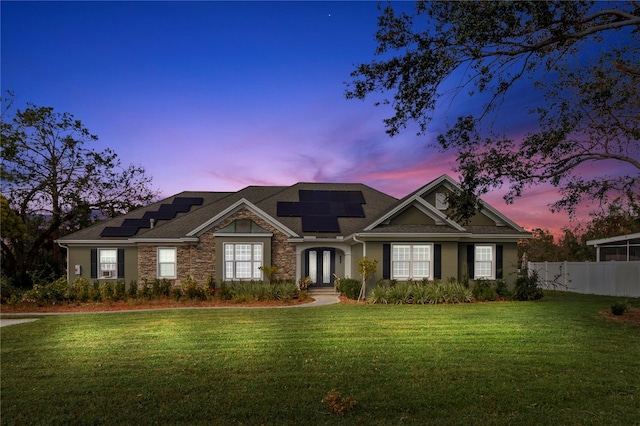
592	110
56	184
613	221
366	268
541	247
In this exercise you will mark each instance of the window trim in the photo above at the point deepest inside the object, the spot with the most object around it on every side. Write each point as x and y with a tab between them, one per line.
493	248
174	263
255	264
411	261
113	270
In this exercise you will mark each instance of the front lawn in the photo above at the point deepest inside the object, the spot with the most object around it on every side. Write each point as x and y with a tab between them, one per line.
554	361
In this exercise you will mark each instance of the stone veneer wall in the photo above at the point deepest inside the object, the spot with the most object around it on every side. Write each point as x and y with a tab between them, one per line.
198	260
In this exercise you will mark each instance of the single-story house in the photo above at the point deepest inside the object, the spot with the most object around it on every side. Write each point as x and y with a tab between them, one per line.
620	248
319	230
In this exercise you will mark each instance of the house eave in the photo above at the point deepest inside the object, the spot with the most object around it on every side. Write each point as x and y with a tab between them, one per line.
424	235
620	238
500	236
165	240
102	241
243	234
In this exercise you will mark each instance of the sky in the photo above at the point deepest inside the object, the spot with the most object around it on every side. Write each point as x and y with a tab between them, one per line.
216	96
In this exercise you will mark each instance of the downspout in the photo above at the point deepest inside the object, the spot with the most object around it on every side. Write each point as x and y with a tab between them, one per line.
364	245
67	250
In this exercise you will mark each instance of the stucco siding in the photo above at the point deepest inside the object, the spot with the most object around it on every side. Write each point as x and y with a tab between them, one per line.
81	255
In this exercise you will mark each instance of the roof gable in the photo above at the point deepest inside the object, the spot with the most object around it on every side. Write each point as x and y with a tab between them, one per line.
428	200
235	207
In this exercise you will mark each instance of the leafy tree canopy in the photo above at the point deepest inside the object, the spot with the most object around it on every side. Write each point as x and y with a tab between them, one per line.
591	111
54	182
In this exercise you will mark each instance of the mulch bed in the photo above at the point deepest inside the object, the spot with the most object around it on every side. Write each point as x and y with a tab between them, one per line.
138	304
631	317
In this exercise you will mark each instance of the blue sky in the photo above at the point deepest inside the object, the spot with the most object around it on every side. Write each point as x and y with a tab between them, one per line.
220	95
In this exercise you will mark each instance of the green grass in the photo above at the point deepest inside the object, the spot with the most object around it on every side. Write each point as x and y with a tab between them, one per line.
555	361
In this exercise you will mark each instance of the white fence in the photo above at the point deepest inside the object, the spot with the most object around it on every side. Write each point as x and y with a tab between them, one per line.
604	278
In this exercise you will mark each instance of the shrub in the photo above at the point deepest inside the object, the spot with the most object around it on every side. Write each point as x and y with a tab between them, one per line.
106	290
484	291
55	292
380	294
349	287
423	292
619	308
211	286
145	290
527	288
224	292
304	283
120	290
176	293
161	288
191	289
502	290
132	291
80	290
8	292
94	294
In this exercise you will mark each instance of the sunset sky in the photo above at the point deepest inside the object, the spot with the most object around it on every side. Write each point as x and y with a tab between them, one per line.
220	95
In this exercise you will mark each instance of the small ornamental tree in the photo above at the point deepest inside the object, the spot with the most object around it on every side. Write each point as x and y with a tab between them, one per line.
366	268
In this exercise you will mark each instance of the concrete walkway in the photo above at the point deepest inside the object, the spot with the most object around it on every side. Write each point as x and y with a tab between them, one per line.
319	300
5	322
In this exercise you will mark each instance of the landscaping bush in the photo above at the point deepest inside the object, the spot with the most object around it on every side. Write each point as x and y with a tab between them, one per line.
81	290
527	288
120	290
422	292
132	291
349	287
8	292
55	292
191	289
619	308
483	290
251	291
107	290
161	288
502	290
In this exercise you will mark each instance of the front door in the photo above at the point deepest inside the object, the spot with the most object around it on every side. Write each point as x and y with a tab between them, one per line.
320	266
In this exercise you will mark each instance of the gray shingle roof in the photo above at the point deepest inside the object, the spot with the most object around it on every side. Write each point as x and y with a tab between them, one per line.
266	198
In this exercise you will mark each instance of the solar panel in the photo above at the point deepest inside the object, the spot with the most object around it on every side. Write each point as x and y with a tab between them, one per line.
353	210
315	209
314	195
118	231
190	201
131	227
288	208
320	224
319	210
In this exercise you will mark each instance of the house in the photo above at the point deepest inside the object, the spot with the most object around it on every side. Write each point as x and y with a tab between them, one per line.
319	230
621	248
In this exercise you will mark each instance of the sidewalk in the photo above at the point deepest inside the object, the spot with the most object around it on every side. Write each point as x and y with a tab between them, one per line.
320	300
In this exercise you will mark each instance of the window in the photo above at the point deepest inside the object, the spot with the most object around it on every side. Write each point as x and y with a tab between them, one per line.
108	263
242	261
484	261
166	263
441	201
411	261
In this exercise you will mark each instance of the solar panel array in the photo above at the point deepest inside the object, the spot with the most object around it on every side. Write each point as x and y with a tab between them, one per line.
320	210
130	227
